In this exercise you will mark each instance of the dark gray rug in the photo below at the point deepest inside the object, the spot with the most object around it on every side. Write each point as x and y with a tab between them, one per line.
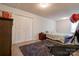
36	49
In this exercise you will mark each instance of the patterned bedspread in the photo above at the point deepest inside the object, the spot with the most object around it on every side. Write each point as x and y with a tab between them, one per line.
37	49
47	48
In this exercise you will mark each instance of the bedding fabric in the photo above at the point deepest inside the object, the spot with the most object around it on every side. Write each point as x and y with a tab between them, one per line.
47	48
38	49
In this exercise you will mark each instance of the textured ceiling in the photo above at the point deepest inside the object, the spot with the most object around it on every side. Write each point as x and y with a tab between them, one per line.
51	10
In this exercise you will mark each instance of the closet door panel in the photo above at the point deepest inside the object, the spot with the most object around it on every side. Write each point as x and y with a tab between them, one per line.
22	29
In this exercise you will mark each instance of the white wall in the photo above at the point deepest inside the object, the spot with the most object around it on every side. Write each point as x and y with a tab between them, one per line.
26	26
42	25
63	26
22	29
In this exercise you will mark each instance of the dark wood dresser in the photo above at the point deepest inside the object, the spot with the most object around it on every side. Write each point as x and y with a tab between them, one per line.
5	36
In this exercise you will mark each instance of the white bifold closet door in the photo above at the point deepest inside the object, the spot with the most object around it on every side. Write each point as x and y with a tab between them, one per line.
22	29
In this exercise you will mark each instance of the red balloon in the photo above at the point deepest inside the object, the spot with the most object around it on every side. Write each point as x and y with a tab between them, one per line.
74	18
